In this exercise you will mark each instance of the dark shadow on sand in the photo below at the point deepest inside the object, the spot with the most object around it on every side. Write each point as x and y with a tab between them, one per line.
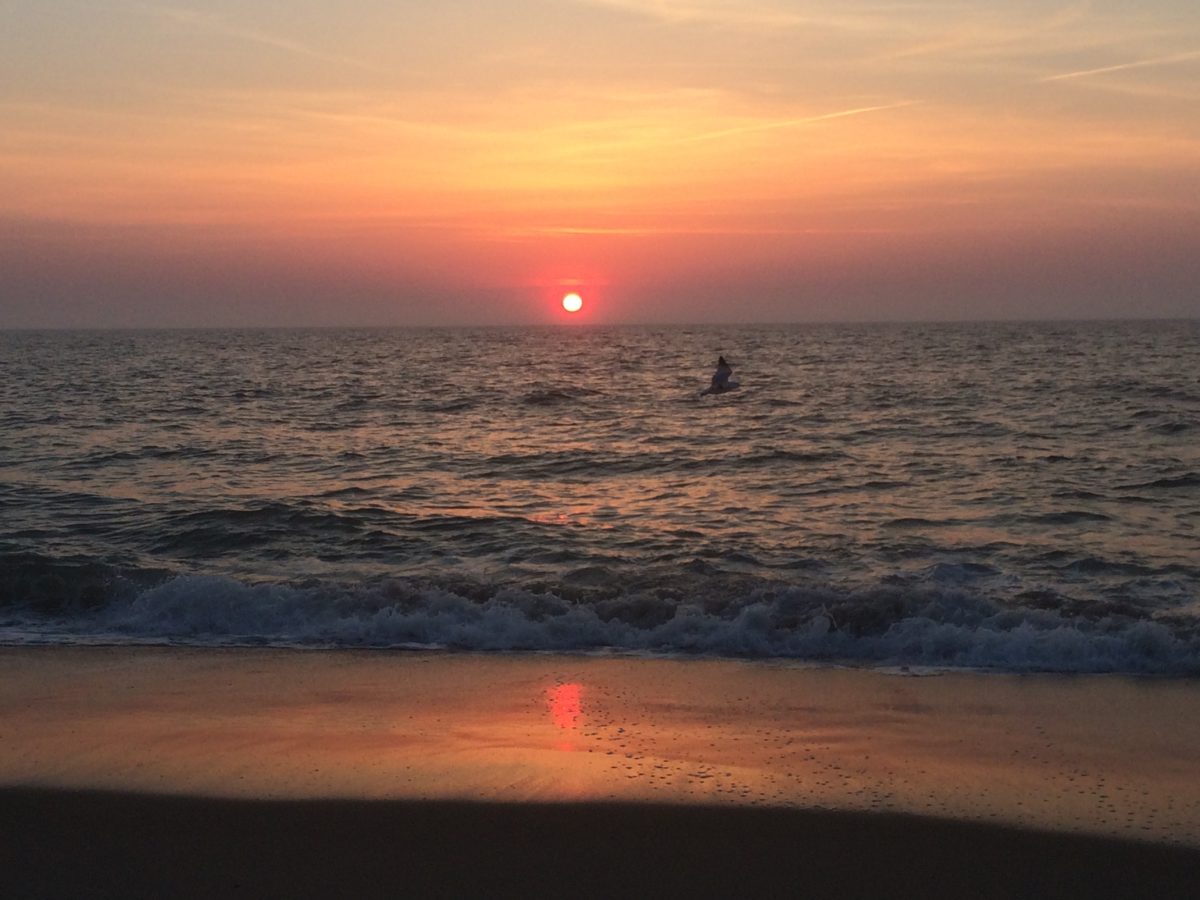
99	845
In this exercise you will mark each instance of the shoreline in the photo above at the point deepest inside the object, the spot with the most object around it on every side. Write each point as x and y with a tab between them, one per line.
862	665
56	843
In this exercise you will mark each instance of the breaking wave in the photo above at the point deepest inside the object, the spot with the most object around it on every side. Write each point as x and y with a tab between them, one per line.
934	625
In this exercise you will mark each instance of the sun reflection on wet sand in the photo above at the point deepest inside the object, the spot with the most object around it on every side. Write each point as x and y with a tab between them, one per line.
566	707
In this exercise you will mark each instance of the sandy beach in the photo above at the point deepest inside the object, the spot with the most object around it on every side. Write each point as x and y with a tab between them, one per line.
168	772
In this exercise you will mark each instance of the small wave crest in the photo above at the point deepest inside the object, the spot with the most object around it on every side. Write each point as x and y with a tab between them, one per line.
557	396
1186	480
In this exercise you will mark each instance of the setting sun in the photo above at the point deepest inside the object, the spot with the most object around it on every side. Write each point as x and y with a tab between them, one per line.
572	303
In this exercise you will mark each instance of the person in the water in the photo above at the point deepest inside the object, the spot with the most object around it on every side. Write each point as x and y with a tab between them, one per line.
720	379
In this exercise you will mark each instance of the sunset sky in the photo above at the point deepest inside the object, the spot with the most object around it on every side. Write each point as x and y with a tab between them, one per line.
263	162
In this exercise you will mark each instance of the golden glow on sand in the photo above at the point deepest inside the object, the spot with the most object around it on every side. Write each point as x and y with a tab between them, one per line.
572	303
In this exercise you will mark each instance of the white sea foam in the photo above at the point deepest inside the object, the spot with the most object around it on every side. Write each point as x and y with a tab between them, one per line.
220	611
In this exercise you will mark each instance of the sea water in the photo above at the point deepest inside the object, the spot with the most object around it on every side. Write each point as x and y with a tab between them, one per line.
1013	496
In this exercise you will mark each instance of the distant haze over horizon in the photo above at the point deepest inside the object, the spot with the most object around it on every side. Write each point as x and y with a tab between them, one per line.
672	161
797	323
839	324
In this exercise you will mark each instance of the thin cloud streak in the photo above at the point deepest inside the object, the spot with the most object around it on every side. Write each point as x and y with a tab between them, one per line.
1139	64
970	38
731	15
219	25
793	123
666	230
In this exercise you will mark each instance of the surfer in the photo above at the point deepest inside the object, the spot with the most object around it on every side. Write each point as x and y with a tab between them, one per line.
720	379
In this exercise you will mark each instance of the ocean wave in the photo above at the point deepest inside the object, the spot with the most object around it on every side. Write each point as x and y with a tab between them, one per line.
776	455
1066	517
557	396
940	623
1188	479
606	462
920	522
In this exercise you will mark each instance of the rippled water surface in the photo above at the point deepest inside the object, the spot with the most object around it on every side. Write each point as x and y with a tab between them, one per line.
1024	496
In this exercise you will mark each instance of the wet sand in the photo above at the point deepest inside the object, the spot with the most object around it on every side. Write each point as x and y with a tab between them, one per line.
258	772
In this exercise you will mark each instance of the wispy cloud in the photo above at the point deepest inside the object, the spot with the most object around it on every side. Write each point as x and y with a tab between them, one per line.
793	123
1137	64
962	32
732	13
674	228
217	24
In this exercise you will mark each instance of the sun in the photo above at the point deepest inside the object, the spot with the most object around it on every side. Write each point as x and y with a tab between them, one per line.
572	303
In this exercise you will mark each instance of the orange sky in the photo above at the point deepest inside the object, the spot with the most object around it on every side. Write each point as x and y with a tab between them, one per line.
377	162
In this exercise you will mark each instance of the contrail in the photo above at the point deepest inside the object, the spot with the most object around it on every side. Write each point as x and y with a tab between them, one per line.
793	123
1139	64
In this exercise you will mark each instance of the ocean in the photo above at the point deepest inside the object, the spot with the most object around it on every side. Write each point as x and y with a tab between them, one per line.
1014	496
